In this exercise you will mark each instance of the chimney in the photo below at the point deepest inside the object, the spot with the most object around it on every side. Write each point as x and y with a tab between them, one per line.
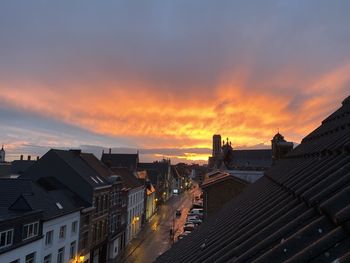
21	158
29	157
110	150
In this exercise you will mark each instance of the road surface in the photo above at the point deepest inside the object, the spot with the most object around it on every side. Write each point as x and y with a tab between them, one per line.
154	239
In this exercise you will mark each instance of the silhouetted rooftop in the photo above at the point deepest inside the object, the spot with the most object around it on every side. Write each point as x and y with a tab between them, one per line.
298	212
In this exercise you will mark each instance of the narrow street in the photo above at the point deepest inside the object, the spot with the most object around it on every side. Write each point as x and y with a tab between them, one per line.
154	238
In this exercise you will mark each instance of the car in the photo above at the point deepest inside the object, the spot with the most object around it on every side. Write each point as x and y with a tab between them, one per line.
189	227
194	219
197	205
196	212
178	212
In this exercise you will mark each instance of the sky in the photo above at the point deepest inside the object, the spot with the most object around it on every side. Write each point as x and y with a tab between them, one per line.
163	76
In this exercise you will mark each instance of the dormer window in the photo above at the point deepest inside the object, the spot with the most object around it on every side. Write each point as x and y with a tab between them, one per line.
30	230
59	205
6	238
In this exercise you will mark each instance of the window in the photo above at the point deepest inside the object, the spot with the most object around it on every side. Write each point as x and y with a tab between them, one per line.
62	233
30	258
74	227
60	255
15	261
72	250
48	238
6	238
47	259
30	230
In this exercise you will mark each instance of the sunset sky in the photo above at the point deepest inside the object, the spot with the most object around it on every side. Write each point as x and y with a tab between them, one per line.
164	76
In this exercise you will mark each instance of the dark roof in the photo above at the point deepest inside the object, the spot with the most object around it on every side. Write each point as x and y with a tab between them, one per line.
252	158
128	179
221	177
156	171
5	169
96	164
78	171
298	212
19	166
18	196
74	158
120	160
161	167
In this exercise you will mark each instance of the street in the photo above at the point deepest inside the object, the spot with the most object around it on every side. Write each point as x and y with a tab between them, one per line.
155	237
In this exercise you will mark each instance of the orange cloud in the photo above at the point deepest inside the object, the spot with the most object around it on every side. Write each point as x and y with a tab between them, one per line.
155	117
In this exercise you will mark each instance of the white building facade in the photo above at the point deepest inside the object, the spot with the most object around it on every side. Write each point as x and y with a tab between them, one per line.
61	239
135	212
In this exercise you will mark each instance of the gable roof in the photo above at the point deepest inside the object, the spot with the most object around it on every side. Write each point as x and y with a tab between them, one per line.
78	162
298	212
128	179
221	177
252	158
129	161
19	196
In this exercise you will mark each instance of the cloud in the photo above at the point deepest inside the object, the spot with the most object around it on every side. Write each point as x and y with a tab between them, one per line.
166	75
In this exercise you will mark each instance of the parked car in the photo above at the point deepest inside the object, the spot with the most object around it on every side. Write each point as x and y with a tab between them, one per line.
196	212
197	205
178	212
189	227
194	219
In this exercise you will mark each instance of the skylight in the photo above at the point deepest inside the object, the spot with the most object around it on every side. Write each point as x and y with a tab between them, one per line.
93	179
99	179
59	205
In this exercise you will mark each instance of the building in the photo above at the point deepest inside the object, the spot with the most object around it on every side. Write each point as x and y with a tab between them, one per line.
159	173
297	212
38	224
216	145
216	158
117	207
218	189
2	154
250	159
72	170
15	168
280	147
118	160
150	202
135	192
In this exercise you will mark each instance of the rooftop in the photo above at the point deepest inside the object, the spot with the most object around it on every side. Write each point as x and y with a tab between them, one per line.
298	212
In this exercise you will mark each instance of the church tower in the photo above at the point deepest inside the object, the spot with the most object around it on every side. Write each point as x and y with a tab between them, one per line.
2	154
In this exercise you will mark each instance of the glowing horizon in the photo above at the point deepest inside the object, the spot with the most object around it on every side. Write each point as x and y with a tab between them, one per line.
165	77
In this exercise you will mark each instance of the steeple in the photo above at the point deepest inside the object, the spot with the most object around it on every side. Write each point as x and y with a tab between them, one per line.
2	154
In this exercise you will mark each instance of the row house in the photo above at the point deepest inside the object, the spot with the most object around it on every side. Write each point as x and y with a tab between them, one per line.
134	191
38	223
160	175
78	173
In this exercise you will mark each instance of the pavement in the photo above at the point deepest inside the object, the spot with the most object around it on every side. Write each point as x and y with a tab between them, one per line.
154	239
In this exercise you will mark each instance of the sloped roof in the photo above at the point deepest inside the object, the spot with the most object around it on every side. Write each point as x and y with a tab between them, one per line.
220	178
18	196
120	160
128	179
252	158
78	161
298	212
96	164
